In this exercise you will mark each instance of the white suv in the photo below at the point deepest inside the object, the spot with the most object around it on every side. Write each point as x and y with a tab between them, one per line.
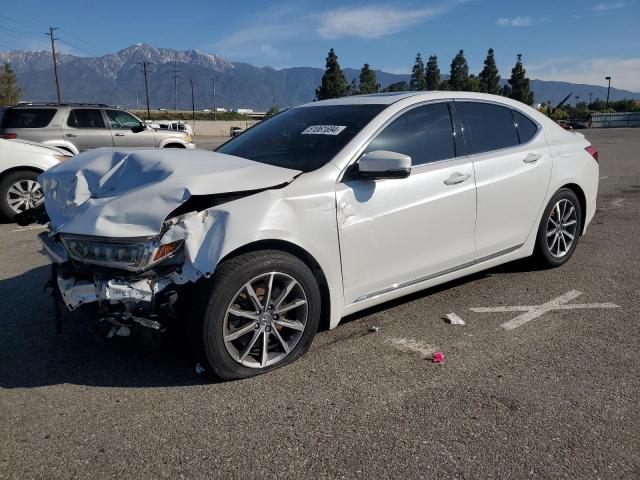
316	213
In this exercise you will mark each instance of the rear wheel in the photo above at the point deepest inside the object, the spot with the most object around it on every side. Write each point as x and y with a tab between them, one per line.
261	312
559	229
19	191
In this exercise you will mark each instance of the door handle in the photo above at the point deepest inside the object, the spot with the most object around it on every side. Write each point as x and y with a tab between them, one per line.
456	178
532	158
119	134
71	135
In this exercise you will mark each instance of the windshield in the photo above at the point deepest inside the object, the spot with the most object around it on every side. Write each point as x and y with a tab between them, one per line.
302	138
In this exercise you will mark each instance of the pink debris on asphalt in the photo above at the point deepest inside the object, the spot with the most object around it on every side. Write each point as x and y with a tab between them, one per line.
438	357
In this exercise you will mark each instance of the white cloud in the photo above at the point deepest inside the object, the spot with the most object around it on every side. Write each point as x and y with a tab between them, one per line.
623	71
373	22
604	7
514	22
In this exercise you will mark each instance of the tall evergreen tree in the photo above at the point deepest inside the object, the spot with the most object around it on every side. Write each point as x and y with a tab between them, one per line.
459	76
368	82
397	87
334	83
418	80
433	73
520	83
489	78
10	93
352	88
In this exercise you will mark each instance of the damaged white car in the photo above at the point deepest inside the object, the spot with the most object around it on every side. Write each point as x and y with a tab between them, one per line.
319	212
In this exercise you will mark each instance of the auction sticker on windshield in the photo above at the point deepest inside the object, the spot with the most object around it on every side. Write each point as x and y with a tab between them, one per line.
323	130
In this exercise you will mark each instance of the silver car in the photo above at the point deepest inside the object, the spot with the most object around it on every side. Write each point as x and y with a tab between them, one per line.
80	127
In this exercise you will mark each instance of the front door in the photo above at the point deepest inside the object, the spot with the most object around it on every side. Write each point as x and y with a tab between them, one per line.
122	123
395	232
86	129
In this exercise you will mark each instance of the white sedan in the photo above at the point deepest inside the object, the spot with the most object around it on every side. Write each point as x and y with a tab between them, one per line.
20	164
319	212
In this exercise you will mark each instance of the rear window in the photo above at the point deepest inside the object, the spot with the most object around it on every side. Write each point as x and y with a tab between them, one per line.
303	138
86	118
490	126
27	117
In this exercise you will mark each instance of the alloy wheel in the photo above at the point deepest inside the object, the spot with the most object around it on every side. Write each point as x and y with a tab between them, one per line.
561	228
265	320
24	194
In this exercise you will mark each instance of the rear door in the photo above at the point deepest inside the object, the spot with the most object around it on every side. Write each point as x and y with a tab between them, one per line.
122	123
86	129
512	166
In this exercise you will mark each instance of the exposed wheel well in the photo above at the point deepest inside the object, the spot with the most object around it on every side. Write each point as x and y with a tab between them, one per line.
174	145
581	198
19	169
303	255
66	149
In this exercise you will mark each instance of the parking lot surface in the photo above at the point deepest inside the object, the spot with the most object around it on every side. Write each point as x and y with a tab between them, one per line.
541	382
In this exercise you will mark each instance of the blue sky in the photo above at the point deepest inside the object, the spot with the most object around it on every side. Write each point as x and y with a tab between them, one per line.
574	40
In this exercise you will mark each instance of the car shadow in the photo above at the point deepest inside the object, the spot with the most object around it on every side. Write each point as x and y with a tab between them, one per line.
33	354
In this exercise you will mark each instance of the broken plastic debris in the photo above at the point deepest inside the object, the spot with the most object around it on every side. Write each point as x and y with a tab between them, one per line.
438	357
199	368
453	319
373	328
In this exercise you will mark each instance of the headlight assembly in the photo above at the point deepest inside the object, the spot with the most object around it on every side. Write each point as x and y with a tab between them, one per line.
133	255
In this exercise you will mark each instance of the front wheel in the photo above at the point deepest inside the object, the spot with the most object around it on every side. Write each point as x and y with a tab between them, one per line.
261	312
19	191
559	229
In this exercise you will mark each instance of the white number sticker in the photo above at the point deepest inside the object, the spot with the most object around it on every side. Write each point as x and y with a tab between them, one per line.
323	130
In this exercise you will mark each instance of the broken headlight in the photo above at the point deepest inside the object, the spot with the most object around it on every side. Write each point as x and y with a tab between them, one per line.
134	255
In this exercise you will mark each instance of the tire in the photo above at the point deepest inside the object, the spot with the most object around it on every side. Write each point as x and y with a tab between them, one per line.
21	179
554	245
231	358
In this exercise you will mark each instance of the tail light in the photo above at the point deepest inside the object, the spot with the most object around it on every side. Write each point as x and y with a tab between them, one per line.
593	151
8	136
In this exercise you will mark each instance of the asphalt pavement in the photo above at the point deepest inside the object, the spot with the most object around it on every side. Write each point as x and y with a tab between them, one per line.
556	397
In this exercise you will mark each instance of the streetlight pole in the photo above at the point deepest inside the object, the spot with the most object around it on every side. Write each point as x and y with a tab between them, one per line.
608	89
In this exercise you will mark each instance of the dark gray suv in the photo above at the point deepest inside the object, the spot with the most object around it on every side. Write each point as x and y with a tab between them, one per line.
77	127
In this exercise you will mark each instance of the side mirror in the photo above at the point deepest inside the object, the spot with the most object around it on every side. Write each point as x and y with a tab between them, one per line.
384	164
139	128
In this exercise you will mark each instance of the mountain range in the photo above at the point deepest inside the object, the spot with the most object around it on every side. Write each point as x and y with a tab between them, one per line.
117	79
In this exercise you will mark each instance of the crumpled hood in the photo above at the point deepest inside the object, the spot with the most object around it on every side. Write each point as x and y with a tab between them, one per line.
129	192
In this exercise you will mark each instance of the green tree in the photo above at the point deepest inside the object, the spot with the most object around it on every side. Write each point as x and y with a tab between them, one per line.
418	80
433	73
10	93
272	111
334	83
459	76
368	82
444	85
489	78
520	83
397	87
352	88
473	84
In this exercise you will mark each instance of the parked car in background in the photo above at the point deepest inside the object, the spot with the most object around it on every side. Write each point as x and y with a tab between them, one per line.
79	127
174	125
316	213
20	164
234	131
572	124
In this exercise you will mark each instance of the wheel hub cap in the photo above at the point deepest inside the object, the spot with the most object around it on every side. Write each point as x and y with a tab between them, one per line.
562	227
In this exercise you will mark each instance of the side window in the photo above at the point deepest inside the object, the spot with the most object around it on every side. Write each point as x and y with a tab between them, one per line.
490	127
424	133
86	118
27	117
526	128
121	120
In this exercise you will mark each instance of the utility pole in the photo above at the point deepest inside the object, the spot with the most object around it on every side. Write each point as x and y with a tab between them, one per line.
55	61
213	81
590	95
606	109
193	104
146	86
175	87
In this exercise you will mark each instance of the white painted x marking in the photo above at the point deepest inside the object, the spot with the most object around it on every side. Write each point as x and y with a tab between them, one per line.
534	311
